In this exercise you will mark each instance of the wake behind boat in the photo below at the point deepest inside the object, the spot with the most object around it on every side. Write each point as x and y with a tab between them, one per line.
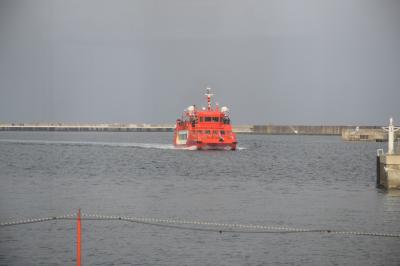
205	129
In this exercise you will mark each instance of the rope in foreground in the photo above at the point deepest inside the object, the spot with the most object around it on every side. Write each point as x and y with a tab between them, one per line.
200	225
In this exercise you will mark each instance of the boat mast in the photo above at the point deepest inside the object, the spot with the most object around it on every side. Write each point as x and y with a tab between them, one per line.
208	94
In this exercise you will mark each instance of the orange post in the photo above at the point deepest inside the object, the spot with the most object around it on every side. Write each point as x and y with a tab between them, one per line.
78	238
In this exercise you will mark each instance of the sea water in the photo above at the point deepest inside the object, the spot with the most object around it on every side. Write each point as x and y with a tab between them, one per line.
294	181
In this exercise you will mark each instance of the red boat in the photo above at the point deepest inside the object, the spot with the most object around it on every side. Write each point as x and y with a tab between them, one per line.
205	129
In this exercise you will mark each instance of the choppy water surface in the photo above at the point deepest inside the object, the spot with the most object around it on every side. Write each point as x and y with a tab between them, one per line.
298	181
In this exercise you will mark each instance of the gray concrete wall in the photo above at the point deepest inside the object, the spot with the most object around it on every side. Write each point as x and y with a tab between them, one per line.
389	171
302	129
115	127
128	127
364	134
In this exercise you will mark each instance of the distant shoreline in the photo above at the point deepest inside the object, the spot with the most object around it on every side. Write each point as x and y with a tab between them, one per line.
128	127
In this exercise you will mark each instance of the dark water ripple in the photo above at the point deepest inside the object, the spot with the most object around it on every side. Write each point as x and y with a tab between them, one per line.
295	181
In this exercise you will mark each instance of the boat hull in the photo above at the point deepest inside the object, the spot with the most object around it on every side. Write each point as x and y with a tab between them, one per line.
207	146
224	147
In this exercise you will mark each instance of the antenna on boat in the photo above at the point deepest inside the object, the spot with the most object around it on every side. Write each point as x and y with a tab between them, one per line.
208	94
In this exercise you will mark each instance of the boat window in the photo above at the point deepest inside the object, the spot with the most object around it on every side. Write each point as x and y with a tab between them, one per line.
222	132
226	120
201	119
215	119
200	131
182	135
208	132
215	132
208	119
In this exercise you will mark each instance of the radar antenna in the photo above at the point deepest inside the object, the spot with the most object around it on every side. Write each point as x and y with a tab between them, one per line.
208	94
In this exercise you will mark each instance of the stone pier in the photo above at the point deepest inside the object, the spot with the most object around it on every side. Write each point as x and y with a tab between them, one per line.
388	171
388	165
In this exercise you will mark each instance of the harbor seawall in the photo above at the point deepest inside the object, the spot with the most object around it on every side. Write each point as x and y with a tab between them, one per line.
298	129
347	132
113	127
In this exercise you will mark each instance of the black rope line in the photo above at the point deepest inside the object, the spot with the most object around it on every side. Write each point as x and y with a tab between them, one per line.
207	226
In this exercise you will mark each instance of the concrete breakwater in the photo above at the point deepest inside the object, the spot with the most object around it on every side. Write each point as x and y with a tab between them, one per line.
347	132
299	129
112	127
388	170
363	134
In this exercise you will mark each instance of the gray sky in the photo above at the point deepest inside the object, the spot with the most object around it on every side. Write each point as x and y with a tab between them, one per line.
280	62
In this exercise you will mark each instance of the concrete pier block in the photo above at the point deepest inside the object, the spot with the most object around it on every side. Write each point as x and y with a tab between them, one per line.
389	171
364	134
